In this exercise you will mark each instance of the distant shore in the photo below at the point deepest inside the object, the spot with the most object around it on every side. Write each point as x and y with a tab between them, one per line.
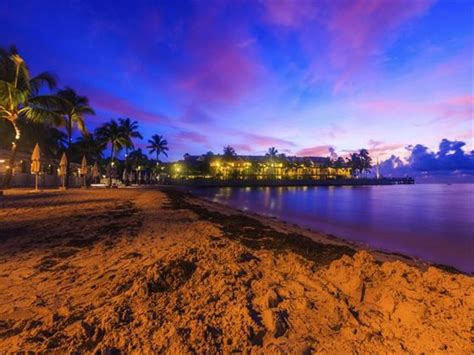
149	270
204	182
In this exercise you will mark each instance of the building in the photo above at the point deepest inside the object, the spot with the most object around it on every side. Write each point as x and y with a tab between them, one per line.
258	167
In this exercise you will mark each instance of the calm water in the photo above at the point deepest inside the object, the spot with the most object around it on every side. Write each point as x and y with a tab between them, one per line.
434	222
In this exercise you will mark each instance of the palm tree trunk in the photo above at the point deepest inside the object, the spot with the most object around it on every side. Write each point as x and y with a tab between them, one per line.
69	144
111	164
11	163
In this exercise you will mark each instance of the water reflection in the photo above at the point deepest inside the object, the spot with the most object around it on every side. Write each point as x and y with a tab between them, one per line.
435	222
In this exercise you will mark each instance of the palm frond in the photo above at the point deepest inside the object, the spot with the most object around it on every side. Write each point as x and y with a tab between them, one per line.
42	79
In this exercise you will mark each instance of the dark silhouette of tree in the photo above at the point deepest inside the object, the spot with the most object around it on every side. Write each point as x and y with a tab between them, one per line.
113	134
20	98
229	152
75	109
130	130
272	152
90	146
158	145
365	161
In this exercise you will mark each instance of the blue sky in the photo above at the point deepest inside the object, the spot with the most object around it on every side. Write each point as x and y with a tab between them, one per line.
302	76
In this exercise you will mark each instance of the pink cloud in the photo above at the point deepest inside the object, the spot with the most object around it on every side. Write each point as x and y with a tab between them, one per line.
289	13
261	141
359	28
108	102
218	68
319	150
195	115
344	37
189	137
379	148
241	147
456	108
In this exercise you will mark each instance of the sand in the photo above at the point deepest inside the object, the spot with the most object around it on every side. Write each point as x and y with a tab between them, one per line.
141	271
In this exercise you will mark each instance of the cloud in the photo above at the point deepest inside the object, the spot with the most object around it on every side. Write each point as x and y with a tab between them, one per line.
450	160
195	115
289	13
189	137
261	141
320	150
105	101
457	108
379	148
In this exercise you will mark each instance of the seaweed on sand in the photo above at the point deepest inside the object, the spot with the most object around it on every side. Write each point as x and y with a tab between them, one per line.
255	235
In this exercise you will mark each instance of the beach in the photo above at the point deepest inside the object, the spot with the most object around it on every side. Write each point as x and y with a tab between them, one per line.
150	270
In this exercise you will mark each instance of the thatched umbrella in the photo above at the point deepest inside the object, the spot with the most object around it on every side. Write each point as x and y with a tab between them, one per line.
63	169
84	170
95	171
36	163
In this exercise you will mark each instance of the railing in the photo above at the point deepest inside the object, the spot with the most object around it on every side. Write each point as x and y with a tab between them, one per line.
45	180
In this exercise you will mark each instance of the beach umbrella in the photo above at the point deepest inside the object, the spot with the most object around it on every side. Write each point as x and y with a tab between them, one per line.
95	170
36	163
84	169
63	168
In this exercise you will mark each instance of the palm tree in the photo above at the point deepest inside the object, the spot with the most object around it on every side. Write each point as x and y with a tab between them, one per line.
272	152
111	132
19	98
130	130
157	145
75	109
229	152
365	160
88	145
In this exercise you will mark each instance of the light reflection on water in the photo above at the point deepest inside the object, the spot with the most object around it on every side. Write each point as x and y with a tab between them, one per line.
434	222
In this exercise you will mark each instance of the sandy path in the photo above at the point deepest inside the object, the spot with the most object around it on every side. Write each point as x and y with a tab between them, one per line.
145	271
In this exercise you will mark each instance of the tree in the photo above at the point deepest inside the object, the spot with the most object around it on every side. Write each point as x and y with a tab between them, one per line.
130	131
365	161
272	152
157	145
229	152
75	109
113	134
355	163
19	98
88	145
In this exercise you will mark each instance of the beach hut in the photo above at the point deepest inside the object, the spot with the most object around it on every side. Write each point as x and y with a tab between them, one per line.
36	164
84	170
63	169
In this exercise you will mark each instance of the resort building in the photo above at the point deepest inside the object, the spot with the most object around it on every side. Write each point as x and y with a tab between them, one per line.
258	167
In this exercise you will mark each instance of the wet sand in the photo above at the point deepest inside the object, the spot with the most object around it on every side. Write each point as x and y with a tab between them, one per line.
139	271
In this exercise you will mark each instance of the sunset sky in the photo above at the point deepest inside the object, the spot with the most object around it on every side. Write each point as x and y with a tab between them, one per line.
298	75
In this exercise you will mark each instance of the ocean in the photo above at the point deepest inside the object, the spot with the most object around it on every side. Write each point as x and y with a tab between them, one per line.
434	222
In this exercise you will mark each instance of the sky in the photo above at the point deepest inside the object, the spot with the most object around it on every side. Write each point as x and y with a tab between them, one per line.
302	76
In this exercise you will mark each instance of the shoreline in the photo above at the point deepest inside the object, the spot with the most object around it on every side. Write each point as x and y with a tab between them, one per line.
148	270
380	254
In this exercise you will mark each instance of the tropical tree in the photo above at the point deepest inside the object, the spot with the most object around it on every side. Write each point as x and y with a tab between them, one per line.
20	99
229	152
88	145
272	152
130	131
75	109
157	145
365	161
113	134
